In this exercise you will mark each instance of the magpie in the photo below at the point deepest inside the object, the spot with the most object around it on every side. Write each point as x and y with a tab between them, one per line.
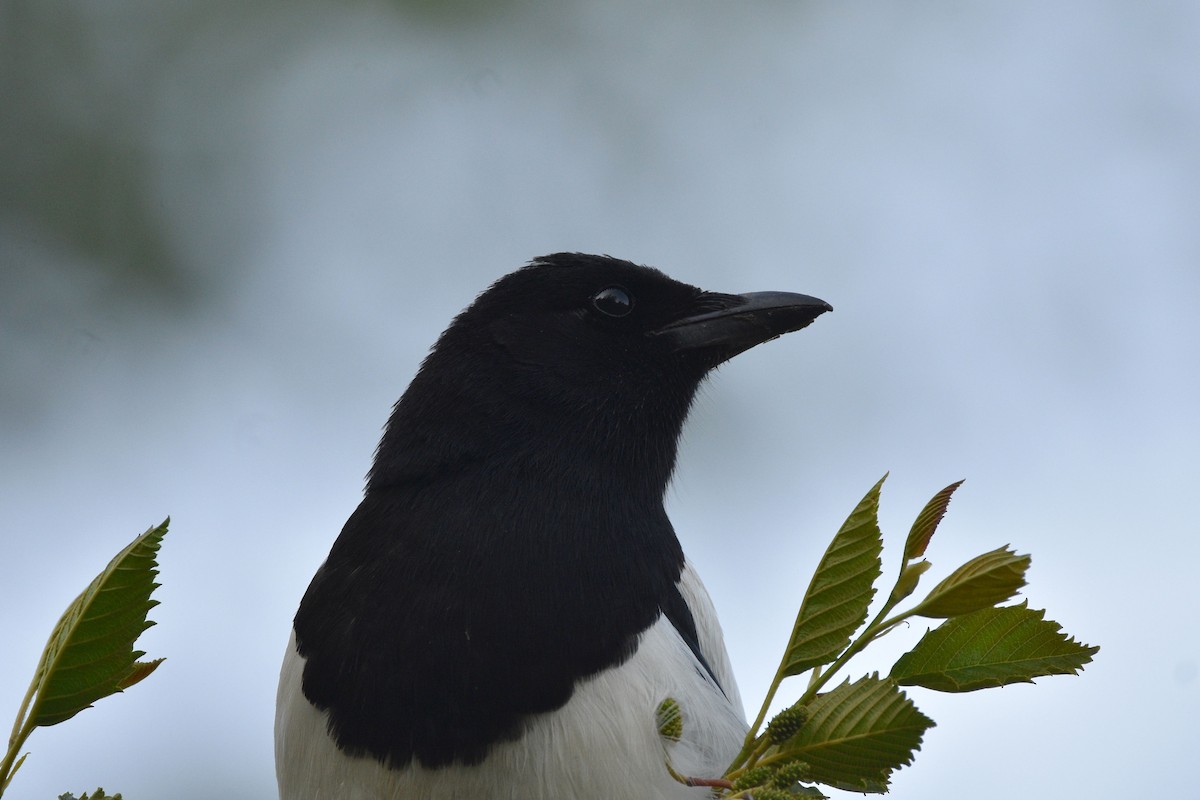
508	605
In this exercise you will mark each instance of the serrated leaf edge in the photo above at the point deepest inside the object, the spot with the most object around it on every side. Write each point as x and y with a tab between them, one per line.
856	538
927	522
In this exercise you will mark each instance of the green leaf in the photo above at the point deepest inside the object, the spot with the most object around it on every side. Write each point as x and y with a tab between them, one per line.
981	583
927	522
90	654
5	780
992	647
906	584
141	671
809	791
836	602
857	734
669	719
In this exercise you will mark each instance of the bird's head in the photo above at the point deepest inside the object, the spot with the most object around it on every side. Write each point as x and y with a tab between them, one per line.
512	541
576	343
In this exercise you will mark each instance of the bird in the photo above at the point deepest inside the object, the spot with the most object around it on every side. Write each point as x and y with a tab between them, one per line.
505	610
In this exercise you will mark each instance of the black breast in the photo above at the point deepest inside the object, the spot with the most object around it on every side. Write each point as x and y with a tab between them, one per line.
445	617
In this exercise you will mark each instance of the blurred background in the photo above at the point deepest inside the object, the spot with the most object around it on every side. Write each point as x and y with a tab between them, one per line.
230	231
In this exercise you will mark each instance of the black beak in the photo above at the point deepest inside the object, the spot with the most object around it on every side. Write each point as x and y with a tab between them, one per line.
724	325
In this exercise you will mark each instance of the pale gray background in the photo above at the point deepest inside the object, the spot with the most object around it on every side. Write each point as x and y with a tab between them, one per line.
230	231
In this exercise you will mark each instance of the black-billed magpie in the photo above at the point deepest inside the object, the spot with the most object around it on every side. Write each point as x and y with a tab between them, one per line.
504	611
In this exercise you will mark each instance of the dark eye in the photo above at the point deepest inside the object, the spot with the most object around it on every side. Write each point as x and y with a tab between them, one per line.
613	301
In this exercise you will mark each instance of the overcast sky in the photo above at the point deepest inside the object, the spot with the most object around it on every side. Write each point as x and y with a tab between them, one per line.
229	232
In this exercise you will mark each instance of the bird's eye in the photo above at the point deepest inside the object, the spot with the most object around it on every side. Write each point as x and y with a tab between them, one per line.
613	301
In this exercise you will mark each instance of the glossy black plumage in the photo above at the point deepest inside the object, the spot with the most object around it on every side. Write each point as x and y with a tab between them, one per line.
512	539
